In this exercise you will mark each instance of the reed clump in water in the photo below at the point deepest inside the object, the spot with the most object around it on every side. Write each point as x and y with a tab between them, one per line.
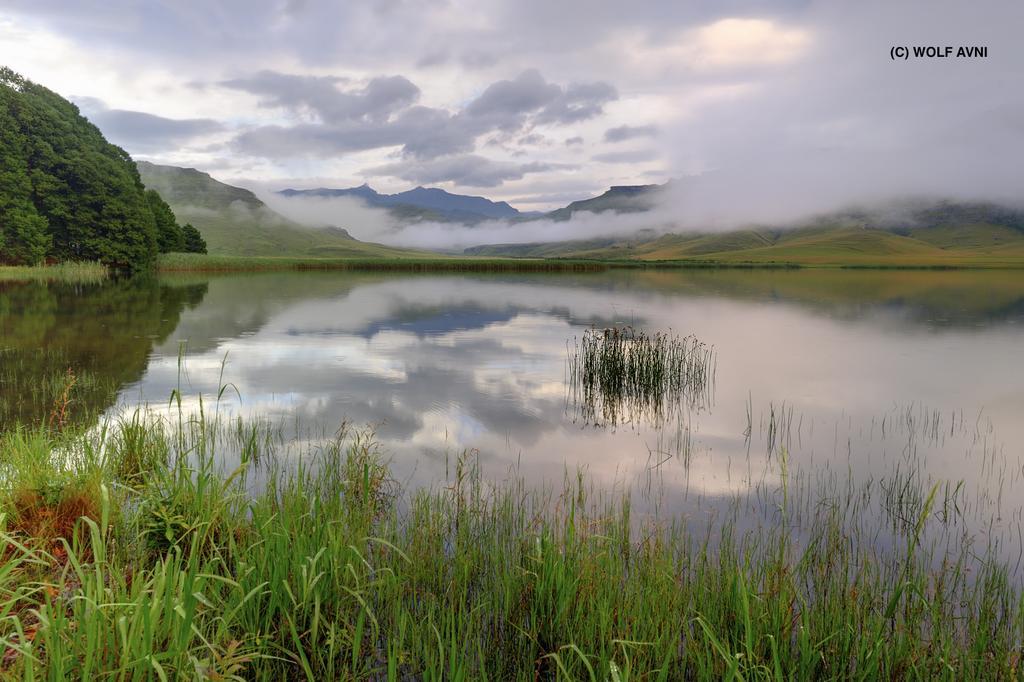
623	375
47	384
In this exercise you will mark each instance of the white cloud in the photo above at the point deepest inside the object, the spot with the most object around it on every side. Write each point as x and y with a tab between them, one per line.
735	42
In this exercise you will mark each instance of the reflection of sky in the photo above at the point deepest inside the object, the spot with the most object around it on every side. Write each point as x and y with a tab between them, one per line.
446	363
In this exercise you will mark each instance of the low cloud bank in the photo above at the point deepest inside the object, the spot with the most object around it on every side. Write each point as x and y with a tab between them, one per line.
704	204
379	225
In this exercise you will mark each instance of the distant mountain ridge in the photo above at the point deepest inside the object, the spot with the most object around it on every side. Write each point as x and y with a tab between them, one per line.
425	203
433	203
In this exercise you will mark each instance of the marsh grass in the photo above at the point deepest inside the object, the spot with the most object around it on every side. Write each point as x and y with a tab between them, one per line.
195	546
191	262
74	273
624	375
179	262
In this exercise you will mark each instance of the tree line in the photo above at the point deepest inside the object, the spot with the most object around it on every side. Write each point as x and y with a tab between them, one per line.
66	194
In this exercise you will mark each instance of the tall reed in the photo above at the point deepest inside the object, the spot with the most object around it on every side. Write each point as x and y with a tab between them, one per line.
210	548
72	272
622	374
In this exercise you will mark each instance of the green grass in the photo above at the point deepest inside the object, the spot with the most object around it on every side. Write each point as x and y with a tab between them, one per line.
977	236
753	259
75	273
192	547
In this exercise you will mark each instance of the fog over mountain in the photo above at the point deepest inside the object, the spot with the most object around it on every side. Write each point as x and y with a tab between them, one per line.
421	202
764	113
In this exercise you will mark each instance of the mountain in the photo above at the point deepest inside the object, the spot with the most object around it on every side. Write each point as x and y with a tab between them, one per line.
620	199
68	194
421	203
442	201
432	203
234	221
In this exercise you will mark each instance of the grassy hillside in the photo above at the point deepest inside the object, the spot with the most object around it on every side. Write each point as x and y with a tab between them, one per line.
943	246
981	235
235	222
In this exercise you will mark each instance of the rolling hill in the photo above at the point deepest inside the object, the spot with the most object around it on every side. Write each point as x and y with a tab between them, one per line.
235	222
824	246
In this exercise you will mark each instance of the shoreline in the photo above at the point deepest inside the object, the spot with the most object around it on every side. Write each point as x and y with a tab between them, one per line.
83	273
190	263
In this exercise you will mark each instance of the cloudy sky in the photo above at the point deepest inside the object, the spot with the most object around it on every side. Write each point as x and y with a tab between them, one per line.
541	102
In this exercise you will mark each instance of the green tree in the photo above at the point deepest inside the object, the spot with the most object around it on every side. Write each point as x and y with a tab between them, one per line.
169	236
194	242
24	234
65	192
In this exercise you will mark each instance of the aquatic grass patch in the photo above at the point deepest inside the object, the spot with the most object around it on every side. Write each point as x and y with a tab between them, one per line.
46	385
622	375
70	272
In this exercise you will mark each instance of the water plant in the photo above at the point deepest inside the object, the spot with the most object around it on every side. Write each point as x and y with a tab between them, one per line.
621	375
45	384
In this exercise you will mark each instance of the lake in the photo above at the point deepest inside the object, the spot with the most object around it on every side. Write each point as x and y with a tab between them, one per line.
823	379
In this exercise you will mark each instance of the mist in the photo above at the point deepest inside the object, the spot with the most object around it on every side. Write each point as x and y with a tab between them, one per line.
843	124
378	225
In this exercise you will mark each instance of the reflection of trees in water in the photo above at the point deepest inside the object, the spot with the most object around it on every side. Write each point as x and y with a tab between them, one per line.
620	375
79	344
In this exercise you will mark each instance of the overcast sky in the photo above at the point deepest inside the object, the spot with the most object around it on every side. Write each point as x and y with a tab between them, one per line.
540	102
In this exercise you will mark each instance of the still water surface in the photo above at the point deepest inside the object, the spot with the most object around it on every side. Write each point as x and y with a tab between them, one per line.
836	375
